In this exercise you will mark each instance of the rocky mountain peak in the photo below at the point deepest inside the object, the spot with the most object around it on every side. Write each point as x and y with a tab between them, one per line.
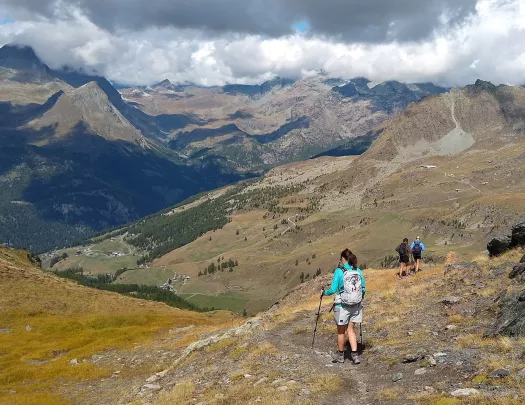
481	85
164	83
19	57
24	60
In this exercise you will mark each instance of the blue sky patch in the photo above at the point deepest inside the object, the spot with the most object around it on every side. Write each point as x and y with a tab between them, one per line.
301	26
5	21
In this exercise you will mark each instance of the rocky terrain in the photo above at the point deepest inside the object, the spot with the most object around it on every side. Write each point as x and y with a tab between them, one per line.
425	341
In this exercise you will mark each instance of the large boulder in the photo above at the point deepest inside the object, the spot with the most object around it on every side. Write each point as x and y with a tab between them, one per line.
518	235
511	319
499	245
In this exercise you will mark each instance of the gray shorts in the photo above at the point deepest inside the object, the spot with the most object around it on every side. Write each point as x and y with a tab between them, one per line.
345	314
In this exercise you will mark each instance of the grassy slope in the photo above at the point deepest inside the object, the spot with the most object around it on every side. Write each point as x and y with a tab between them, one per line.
409	202
68	322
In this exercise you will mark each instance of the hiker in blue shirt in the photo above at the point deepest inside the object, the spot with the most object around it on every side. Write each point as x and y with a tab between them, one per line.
346	316
417	247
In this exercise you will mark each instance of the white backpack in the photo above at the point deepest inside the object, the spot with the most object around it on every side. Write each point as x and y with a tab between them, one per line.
352	292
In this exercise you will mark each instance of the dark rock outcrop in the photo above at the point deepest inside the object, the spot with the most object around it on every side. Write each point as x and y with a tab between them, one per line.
498	246
518	235
517	271
522	259
511	319
501	244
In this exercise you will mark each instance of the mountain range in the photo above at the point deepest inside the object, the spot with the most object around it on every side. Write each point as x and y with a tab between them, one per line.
76	159
448	168
279	121
78	156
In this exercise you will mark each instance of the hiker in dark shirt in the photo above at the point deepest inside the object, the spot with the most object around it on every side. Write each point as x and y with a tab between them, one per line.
404	258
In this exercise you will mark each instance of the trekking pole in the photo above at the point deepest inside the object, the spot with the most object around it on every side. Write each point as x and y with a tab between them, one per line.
317	320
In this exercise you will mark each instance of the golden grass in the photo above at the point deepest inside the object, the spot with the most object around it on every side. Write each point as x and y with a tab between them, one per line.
389	394
180	395
244	394
438	399
68	322
238	352
32	398
266	349
475	341
219	345
301	329
325	384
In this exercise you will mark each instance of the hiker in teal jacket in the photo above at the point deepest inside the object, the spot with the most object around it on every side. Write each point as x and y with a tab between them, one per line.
346	316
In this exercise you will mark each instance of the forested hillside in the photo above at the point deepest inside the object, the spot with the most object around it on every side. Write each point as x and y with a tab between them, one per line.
166	231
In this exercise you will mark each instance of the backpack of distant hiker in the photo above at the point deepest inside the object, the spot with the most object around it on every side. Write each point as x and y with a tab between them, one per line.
402	249
417	248
352	292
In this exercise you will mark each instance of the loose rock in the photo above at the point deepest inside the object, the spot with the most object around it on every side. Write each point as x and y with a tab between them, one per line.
153	387
451	300
261	381
305	392
152	379
397	377
411	358
499	373
74	362
497	271
420	371
464	392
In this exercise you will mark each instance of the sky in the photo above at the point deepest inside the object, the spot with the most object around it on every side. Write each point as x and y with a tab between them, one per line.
214	42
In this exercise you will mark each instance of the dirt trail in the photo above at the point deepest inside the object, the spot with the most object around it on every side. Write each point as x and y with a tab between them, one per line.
356	379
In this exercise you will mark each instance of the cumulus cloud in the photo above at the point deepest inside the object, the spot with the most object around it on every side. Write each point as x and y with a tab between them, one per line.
448	42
